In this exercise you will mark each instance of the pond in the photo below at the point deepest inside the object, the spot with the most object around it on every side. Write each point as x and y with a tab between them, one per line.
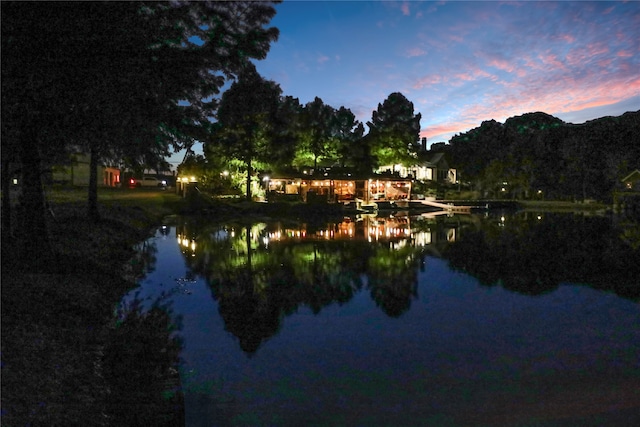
495	319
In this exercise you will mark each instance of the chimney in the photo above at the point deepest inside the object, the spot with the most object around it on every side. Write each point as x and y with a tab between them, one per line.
424	143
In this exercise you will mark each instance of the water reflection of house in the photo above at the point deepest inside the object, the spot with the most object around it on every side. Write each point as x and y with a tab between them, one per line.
77	172
341	189
396	230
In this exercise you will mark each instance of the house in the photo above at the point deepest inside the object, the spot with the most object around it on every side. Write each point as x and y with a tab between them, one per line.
436	169
77	172
338	189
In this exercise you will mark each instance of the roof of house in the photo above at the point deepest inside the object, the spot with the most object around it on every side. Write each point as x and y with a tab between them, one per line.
439	158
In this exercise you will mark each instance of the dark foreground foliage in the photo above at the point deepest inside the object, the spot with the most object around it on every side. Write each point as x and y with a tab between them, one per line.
65	358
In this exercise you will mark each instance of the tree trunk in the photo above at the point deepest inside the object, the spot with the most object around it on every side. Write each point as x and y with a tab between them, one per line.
249	179
92	200
6	198
35	246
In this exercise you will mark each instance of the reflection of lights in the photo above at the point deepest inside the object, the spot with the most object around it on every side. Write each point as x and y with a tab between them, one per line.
187	243
422	238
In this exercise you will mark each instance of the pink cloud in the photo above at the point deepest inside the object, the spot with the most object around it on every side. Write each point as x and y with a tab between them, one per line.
502	64
608	10
405	9
322	59
597	48
427	81
624	54
442	129
554	95
464	76
604	63
568	38
415	51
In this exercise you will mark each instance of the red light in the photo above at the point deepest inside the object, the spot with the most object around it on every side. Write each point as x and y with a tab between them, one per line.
132	181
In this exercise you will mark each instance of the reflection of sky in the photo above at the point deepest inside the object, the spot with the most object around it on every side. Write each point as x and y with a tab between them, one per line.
458	344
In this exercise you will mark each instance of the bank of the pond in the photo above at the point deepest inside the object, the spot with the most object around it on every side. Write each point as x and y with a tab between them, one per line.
65	359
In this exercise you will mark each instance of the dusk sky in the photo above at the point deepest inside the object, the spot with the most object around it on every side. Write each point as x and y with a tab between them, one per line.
460	63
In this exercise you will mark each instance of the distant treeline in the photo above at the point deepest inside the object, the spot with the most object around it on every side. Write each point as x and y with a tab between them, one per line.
536	155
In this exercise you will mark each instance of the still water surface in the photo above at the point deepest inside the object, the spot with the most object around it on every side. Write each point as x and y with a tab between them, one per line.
519	319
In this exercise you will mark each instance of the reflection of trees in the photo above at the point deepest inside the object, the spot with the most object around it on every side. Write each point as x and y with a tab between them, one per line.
258	280
532	254
393	278
144	260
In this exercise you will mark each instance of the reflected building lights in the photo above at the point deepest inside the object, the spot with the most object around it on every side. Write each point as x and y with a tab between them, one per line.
394	231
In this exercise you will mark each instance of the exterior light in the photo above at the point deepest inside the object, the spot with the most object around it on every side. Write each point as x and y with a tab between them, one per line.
265	179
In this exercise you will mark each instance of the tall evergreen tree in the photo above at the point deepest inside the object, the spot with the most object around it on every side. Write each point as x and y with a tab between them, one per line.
317	143
245	117
394	131
346	131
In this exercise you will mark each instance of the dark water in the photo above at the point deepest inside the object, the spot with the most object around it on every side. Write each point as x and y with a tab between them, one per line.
501	319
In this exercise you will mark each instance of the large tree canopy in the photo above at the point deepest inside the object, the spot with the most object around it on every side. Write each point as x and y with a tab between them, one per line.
394	131
248	110
122	79
317	141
